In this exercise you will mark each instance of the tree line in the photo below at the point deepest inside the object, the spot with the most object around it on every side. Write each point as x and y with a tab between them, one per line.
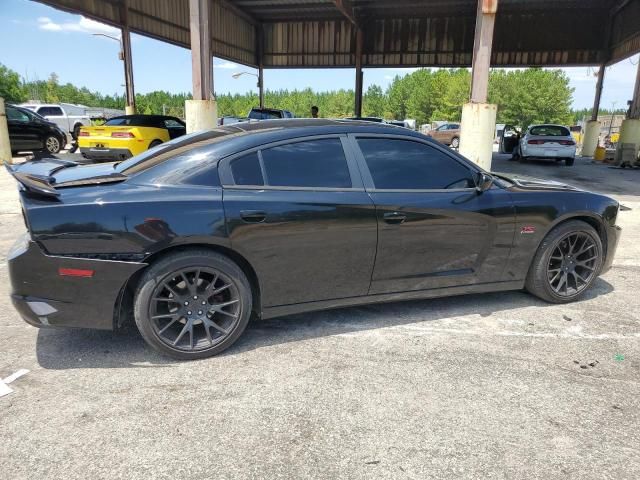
523	97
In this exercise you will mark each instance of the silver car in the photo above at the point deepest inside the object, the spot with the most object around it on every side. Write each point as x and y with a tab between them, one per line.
541	141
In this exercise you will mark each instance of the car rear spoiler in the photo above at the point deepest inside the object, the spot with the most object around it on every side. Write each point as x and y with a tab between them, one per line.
34	183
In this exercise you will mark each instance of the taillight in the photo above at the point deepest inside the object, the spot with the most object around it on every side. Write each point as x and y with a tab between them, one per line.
535	142
567	142
122	135
83	133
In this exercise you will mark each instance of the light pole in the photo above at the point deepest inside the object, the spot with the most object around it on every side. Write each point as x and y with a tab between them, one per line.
128	75
260	86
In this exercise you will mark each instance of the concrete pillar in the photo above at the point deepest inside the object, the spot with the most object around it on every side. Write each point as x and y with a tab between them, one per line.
201	113
478	131
129	110
477	128
5	146
630	128
590	138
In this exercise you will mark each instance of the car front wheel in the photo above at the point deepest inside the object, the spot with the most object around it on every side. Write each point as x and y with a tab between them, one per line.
193	304
455	142
566	264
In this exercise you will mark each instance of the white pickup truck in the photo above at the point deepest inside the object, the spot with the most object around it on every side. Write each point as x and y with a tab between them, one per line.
67	116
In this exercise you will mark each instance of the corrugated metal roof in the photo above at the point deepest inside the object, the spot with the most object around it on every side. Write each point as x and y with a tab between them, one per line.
316	33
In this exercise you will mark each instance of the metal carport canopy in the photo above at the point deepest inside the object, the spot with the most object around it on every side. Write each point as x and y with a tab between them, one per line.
396	33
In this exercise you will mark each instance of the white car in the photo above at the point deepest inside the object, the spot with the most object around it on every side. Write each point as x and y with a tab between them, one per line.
539	141
70	118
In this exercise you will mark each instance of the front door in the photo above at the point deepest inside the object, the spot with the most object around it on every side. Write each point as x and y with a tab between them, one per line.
509	139
298	212
434	228
24	133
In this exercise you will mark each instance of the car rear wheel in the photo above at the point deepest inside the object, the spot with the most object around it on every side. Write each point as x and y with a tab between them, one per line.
566	264
193	304
569	161
155	143
455	142
52	144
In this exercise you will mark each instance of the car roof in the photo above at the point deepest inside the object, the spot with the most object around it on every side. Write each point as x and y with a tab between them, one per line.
546	125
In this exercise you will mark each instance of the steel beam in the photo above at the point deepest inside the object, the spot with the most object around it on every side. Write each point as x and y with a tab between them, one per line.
346	9
485	20
201	59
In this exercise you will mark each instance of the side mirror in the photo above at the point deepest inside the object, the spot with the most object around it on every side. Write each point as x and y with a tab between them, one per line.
483	182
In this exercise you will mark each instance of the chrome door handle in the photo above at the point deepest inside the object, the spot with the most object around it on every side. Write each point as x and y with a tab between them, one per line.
253	216
394	218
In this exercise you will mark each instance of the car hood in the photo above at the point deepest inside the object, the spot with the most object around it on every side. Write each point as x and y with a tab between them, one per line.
531	183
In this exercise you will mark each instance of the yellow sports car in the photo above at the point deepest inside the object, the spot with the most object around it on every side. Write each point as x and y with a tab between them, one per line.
123	137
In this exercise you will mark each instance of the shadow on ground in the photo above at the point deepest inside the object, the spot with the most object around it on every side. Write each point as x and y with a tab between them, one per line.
78	348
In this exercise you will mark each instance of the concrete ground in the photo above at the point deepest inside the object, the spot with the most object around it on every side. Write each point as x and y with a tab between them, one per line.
483	386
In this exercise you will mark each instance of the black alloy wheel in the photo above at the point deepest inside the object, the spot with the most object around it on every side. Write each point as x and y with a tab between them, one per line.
193	304
572	264
567	262
194	308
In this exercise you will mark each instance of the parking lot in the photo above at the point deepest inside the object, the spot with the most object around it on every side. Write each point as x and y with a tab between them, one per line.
498	385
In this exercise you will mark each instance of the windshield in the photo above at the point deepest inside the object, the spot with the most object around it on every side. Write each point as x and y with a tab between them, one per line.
264	114
171	148
549	131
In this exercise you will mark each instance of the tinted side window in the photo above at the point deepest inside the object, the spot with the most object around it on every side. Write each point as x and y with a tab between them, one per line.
246	170
51	111
403	164
315	163
16	115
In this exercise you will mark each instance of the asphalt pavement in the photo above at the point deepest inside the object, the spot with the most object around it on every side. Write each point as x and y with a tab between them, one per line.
497	385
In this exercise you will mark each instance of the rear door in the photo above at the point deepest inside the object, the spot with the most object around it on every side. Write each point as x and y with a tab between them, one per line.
298	212
434	229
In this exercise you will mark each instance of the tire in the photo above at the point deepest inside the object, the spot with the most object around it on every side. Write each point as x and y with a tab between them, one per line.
154	143
171	327
569	161
455	142
76	132
542	280
52	144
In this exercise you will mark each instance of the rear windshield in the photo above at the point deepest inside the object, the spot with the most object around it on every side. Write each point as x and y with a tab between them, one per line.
175	147
550	131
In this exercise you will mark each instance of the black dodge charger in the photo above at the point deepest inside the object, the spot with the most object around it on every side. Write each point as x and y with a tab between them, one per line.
195	236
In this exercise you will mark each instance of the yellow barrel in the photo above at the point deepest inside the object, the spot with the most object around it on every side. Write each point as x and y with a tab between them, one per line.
599	154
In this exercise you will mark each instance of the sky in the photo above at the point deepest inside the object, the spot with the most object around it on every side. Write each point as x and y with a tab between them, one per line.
38	40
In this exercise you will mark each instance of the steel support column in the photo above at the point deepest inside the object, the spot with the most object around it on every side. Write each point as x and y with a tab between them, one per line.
485	20
596	100
201	113
359	74
478	124
634	107
201	58
126	58
260	62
